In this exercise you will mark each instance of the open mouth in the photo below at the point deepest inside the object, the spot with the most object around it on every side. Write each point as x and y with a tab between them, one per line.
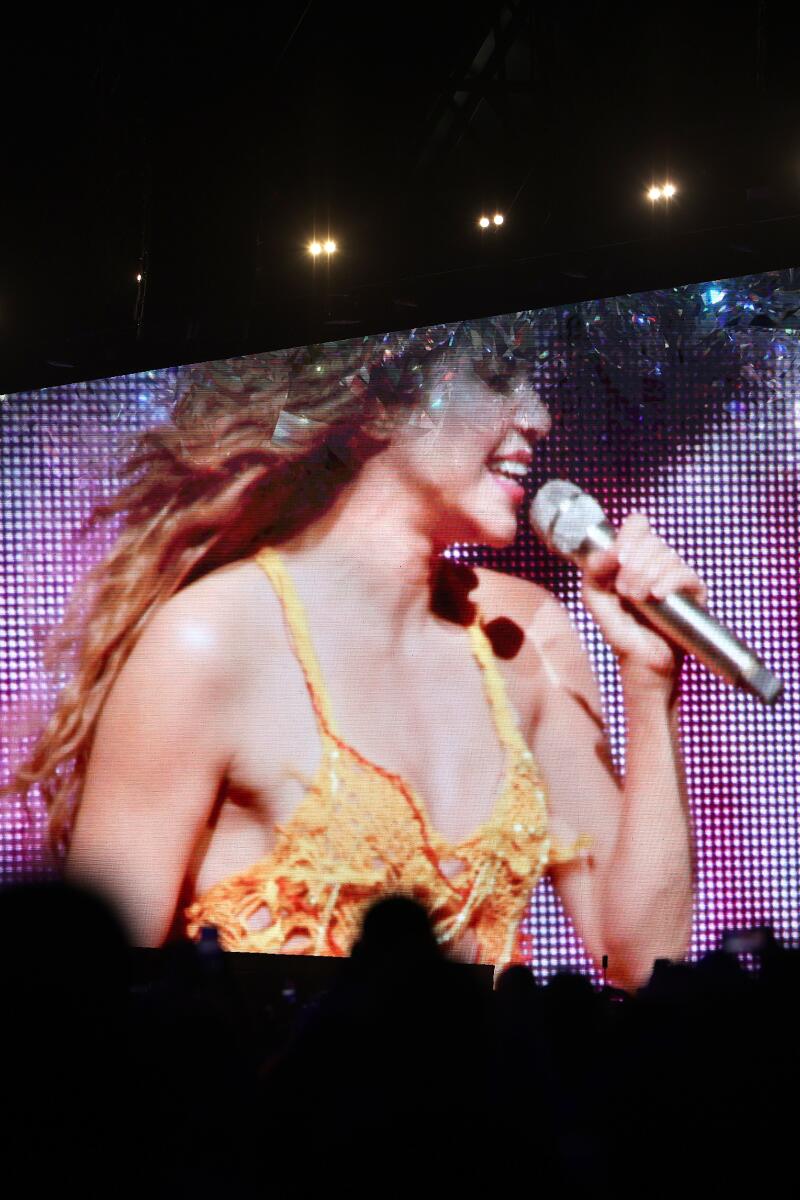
510	476
508	469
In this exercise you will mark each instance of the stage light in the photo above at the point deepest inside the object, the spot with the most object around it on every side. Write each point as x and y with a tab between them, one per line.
139	277
330	247
665	192
484	222
314	249
498	218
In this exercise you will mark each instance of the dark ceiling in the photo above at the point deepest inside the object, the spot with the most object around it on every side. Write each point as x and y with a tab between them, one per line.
204	150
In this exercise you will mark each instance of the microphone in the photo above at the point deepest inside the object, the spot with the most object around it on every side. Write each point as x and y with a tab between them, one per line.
571	523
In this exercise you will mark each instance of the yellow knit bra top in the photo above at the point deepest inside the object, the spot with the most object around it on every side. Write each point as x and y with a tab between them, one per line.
361	832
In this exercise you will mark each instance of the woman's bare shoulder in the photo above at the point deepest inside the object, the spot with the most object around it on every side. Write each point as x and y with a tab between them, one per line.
547	636
520	600
215	625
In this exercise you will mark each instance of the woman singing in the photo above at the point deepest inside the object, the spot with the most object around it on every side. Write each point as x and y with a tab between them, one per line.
287	703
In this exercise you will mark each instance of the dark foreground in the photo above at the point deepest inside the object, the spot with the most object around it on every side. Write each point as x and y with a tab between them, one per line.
124	1075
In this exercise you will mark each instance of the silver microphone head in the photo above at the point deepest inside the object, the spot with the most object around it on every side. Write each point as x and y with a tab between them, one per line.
561	514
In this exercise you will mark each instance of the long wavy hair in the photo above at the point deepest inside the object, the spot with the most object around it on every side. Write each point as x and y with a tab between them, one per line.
256	449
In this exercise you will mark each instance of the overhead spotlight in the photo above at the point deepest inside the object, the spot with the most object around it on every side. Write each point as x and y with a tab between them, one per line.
484	222
330	247
665	192
314	249
498	219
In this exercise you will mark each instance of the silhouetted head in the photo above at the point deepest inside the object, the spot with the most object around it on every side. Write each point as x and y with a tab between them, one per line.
396	929
570	995
517	983
61	942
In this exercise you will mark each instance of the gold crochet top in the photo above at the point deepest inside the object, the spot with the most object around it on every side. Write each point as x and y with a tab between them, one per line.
362	832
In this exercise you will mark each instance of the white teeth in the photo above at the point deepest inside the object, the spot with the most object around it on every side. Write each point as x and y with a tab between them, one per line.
514	470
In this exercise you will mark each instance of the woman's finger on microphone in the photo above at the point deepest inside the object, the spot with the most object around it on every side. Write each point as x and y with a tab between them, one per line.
639	551
635	527
678	576
601	567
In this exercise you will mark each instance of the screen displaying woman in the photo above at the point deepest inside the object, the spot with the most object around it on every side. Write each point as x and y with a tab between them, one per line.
289	701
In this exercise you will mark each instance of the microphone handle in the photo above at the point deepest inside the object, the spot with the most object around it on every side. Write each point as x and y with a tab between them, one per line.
693	629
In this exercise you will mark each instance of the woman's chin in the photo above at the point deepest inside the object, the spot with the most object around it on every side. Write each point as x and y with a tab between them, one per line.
487	524
498	541
500	520
497	534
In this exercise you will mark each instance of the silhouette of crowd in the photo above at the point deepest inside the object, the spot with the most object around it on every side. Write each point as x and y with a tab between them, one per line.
406	1075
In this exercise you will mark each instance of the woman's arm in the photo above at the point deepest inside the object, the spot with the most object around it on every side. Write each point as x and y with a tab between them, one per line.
631	896
158	759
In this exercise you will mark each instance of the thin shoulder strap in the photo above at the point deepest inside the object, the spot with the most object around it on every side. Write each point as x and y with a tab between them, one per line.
505	719
274	568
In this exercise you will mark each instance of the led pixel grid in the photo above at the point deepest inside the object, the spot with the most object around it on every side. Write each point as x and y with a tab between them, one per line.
707	451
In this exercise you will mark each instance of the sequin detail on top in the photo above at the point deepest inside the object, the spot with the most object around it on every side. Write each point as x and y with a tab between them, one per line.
361	832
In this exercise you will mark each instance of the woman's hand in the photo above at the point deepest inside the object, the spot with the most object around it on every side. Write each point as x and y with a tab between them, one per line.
639	566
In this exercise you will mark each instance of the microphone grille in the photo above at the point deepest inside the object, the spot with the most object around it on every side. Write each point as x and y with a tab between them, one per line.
561	514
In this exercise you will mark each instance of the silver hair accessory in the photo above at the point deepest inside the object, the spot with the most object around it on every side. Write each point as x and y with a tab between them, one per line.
292	431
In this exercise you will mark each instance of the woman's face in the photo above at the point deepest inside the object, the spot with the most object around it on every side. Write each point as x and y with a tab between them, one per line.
468	449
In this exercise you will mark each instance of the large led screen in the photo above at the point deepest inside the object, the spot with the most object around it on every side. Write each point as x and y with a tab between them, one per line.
278	638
